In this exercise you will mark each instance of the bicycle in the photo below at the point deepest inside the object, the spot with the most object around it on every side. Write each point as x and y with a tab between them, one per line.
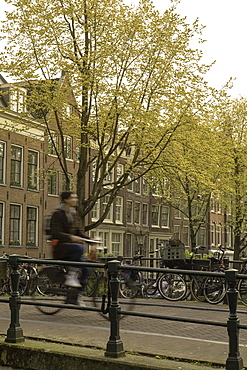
170	286
215	287
24	277
50	288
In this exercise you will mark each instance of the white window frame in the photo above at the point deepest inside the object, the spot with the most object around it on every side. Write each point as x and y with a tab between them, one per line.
129	221
168	216
157	206
52	173
51	149
137	213
119	170
186	235
18	99
35	243
68	146
118	251
96	210
35	171
177	231
145	221
18	185
119	209
11	242
109	215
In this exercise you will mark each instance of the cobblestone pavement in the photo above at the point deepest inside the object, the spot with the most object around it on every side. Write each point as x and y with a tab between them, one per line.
155	336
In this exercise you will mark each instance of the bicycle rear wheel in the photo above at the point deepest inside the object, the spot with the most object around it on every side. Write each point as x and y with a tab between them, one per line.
172	287
214	289
48	293
128	287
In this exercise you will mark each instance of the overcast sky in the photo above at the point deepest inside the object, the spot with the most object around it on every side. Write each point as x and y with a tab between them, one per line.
225	32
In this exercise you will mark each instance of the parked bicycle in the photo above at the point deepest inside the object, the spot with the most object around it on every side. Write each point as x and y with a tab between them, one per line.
27	278
215	287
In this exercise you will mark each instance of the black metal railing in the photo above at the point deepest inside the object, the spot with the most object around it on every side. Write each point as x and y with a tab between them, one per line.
114	346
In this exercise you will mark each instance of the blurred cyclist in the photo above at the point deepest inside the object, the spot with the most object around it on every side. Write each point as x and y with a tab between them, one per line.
67	238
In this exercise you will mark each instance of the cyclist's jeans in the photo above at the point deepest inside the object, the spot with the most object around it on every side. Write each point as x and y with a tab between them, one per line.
75	255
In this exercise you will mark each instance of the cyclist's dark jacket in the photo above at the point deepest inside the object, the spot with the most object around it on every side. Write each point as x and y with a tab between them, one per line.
63	225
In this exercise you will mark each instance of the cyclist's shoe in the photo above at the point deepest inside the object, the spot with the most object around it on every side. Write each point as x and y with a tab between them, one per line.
72	280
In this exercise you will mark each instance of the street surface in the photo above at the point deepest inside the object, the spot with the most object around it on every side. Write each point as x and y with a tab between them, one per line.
144	335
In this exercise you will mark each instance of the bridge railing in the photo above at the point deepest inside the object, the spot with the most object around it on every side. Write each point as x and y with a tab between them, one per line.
115	346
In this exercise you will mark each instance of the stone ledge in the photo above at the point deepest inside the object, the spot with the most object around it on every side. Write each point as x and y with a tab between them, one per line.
41	355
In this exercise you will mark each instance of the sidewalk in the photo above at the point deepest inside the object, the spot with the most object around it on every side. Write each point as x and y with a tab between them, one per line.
85	339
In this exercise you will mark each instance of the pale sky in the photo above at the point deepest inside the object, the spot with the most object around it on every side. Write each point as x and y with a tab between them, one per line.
225	32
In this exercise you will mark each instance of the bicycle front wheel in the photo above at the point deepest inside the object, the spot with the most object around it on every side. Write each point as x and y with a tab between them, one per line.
197	288
172	287
214	289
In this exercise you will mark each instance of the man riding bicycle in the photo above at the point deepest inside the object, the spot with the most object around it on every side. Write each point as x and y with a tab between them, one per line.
67	238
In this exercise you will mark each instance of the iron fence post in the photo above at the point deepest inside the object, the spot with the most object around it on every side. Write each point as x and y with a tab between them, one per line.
115	345
15	332
234	360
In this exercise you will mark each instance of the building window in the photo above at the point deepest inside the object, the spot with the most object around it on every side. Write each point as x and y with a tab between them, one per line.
129	217
16	166
176	232
145	187
155	215
137	217
116	244
15	224
108	174
53	144
32	170
104	236
78	150
202	236
105	202
213	235
138	186
1	223
95	210
145	214
128	246
119	171
71	183
2	162
67	147
229	236
17	100
119	209
186	235
52	182
130	185
31	226
219	232
165	216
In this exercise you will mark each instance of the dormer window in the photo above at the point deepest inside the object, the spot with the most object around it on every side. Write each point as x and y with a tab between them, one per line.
18	100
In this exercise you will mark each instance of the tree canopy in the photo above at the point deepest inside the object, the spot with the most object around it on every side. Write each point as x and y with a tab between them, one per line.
134	79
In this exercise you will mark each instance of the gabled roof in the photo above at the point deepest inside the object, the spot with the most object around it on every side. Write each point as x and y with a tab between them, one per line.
2	80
